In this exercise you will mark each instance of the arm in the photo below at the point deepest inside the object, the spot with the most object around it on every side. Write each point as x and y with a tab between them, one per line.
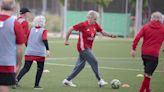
107	34
47	47
68	35
99	29
19	57
135	42
19	41
45	41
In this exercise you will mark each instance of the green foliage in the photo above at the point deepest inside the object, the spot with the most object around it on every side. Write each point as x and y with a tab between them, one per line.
103	3
53	23
62	2
18	0
145	3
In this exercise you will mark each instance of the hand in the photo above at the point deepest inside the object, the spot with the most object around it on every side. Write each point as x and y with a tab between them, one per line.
48	53
133	53
113	36
66	43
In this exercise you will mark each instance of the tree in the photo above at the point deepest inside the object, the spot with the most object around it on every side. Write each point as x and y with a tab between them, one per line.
101	4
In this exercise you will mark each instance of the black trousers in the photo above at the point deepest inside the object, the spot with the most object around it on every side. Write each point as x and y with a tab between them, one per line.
26	68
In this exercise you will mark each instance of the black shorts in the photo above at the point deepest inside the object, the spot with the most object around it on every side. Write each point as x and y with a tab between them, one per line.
7	79
150	64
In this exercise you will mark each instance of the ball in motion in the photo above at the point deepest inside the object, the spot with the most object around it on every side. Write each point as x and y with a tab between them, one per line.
115	84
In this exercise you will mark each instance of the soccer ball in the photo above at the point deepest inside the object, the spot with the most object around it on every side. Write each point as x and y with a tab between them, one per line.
115	84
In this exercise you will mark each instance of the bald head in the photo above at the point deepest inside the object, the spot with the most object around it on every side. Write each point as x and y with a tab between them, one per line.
7	5
157	16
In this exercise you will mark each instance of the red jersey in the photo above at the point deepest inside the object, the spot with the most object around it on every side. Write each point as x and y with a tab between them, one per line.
87	34
153	36
25	25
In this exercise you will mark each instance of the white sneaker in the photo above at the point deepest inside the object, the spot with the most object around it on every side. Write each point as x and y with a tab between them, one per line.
68	83
102	83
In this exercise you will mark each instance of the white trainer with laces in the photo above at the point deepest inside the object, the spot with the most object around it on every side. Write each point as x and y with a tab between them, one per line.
68	83
102	83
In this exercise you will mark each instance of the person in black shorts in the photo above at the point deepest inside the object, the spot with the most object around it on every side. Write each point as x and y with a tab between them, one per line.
153	37
11	41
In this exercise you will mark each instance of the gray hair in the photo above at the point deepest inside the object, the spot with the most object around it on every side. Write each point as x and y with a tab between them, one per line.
157	16
39	21
92	13
7	5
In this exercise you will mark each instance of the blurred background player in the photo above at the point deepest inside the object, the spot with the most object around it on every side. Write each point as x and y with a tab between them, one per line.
87	32
37	49
22	19
153	37
11	35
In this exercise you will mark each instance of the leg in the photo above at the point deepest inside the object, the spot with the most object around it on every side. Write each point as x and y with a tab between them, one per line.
92	61
78	67
40	67
4	88
25	69
150	64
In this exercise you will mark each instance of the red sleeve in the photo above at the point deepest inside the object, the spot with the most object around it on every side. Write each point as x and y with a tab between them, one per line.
137	38
78	27
20	39
99	29
44	35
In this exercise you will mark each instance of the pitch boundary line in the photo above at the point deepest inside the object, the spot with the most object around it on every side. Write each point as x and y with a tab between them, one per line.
107	58
108	68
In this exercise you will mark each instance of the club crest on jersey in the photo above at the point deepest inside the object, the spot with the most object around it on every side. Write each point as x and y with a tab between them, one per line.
94	29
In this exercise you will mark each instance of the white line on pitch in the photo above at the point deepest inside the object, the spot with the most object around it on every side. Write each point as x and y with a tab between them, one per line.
109	68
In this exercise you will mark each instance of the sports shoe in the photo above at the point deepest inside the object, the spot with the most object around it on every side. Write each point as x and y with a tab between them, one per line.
102	83
16	85
68	83
38	87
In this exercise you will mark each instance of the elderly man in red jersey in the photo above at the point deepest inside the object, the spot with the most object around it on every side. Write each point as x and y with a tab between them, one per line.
153	37
22	19
87	32
11	39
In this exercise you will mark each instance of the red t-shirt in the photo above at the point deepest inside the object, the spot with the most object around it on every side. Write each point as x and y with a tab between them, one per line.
87	34
24	25
153	36
37	58
19	40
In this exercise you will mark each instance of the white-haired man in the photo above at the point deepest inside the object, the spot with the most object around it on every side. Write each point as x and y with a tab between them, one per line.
153	37
11	40
37	49
87	32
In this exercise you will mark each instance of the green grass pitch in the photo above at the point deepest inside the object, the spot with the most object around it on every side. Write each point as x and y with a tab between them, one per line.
114	61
